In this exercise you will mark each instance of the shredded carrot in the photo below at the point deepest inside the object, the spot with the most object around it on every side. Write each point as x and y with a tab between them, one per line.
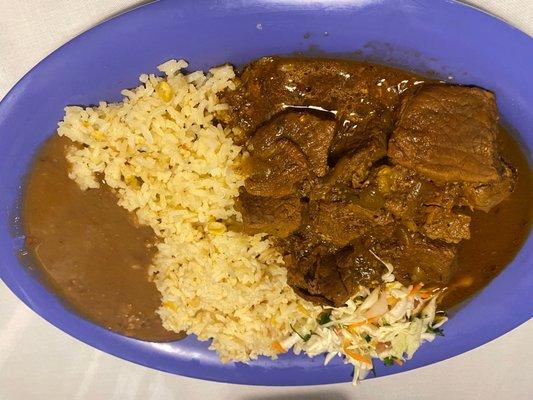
424	294
278	347
357	356
415	289
391	300
352	328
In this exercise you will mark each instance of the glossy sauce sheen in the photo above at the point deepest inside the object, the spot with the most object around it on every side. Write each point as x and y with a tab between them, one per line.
90	251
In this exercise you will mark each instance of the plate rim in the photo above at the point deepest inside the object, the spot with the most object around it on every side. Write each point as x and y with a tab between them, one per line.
18	90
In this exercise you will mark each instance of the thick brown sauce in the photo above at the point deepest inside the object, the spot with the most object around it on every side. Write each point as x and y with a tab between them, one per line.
496	236
89	249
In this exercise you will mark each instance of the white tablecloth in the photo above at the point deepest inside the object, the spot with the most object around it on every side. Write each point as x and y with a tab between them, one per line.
37	361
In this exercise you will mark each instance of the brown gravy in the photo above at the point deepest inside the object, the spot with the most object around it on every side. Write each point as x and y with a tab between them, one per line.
498	235
89	249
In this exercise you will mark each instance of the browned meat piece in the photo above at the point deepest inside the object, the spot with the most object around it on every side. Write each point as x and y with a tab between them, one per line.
448	133
311	133
357	266
484	197
355	90
341	222
315	277
331	279
277	169
416	258
353	168
328	281
372	125
325	275
405	192
422	205
301	243
446	225
275	216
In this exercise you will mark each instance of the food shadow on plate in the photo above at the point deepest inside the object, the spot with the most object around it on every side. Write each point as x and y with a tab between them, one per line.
321	395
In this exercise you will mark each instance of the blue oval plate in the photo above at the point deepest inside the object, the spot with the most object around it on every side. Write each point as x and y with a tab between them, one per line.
451	39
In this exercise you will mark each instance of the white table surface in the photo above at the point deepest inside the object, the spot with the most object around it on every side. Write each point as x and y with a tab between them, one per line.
37	361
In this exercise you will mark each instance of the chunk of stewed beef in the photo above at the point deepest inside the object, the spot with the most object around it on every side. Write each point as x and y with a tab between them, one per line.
370	127
313	274
353	168
278	169
331	277
278	216
446	225
359	93
359	267
416	258
448	133
485	196
312	134
339	223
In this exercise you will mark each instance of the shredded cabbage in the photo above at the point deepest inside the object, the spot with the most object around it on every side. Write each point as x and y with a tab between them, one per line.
389	323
